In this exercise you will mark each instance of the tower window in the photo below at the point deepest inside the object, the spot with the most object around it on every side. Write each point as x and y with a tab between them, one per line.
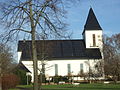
94	40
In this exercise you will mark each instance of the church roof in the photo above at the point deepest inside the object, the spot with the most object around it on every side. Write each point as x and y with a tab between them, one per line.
58	50
22	67
92	22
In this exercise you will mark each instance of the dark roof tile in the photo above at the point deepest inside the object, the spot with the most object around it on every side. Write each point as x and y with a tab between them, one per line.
58	49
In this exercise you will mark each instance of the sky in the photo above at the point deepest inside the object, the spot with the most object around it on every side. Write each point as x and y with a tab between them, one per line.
106	11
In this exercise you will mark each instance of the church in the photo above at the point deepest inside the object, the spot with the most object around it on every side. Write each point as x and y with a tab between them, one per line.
78	58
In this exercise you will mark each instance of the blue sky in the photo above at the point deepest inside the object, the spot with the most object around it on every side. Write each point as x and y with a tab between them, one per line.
106	11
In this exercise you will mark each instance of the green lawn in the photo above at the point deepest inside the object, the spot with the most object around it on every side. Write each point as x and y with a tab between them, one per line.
83	87
79	87
14	89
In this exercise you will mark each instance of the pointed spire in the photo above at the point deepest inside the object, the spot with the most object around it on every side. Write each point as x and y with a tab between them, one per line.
92	22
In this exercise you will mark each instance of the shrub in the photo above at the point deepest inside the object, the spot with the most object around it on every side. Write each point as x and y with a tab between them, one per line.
60	78
43	78
29	79
9	81
22	75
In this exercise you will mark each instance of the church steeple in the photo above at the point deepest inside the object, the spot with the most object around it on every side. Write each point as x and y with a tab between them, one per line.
92	22
92	33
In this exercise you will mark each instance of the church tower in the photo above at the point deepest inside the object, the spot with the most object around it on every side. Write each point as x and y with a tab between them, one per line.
92	33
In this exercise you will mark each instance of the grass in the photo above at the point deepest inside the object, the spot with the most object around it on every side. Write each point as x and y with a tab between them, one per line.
79	87
21	86
25	86
14	89
83	87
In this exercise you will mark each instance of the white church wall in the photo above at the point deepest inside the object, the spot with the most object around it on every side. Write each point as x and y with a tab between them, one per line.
62	66
29	66
19	55
89	38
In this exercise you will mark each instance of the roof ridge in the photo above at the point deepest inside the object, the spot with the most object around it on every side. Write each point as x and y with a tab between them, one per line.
56	40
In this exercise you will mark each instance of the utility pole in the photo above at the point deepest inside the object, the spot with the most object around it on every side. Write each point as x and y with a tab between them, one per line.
34	53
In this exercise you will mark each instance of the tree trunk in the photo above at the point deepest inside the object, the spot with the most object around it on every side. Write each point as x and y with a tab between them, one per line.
0	81
34	53
0	77
35	64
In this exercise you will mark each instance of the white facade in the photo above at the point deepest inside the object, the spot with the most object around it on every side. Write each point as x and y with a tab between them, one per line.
88	37
62	66
19	55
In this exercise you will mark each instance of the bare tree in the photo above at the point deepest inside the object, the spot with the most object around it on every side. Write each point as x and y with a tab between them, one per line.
33	17
95	72
112	56
6	61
